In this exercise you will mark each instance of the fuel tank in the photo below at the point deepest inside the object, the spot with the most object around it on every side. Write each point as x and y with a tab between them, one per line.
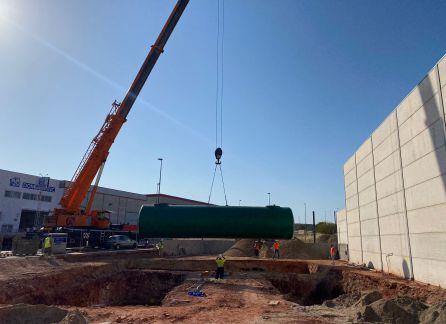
173	221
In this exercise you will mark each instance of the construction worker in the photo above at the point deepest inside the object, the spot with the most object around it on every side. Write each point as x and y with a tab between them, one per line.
332	253
276	247
47	245
257	248
220	267
160	247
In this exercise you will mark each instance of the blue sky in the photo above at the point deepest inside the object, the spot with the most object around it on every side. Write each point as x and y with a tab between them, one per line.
305	83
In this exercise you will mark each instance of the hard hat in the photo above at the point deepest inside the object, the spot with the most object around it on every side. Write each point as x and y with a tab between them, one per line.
220	255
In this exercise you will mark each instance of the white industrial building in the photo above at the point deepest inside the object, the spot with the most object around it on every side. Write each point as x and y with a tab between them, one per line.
25	200
395	189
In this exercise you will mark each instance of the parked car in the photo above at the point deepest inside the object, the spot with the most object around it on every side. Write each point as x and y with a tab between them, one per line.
147	243
119	242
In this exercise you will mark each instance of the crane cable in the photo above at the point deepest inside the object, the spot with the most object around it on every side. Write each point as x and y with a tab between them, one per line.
219	95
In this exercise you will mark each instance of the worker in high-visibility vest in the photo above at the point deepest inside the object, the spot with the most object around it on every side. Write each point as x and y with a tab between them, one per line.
220	267
332	254
276	247
160	247
47	245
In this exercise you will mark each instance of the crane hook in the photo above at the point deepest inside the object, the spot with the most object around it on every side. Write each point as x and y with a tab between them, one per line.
218	154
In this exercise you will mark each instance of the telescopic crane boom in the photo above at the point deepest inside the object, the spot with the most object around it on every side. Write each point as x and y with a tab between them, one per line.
70	213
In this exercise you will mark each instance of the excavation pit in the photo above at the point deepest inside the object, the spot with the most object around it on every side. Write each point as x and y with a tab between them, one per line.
128	287
309	289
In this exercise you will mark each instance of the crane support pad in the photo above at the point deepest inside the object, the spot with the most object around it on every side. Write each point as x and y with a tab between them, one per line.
164	221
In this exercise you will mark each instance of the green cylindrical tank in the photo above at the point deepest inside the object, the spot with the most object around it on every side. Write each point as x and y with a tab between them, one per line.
216	222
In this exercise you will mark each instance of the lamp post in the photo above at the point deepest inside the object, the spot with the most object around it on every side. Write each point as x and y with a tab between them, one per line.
305	228
239	201
159	182
269	198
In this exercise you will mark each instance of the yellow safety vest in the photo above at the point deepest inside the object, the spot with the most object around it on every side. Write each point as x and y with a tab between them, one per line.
48	242
220	262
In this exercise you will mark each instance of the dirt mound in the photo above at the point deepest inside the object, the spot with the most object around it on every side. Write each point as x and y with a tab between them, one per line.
434	314
397	310
370	297
289	249
296	249
241	248
323	238
23	313
74	318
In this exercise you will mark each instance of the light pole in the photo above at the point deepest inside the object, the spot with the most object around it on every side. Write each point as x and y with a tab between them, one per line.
159	182
269	198
239	201
305	228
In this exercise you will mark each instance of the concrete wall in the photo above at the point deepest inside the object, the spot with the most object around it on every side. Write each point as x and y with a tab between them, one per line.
341	222
395	188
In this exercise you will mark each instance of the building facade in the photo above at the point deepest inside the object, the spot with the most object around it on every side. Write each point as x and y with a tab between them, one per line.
26	199
395	188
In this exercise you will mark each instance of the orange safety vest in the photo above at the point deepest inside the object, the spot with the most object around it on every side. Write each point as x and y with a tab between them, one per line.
332	251
276	246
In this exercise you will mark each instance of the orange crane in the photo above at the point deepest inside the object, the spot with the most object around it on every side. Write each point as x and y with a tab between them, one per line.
70	213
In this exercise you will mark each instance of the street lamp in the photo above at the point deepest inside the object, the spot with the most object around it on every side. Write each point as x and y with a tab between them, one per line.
269	198
159	182
239	201
305	228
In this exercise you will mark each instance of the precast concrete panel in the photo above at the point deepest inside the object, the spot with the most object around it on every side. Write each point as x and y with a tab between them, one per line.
369	227
388	126
427	167
428	193
352	217
367	196
418	96
368	211
430	271
349	165
425	142
388	166
366	180
351	189
429	246
397	264
364	150
442	71
434	214
386	148
351	203
353	229
364	165
428	114
372	260
395	243
391	204
393	224
389	185
350	177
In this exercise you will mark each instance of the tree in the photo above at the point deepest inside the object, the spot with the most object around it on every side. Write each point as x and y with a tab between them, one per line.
326	228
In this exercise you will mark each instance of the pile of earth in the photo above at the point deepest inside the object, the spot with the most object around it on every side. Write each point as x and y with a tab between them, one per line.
372	307
289	249
30	314
327	238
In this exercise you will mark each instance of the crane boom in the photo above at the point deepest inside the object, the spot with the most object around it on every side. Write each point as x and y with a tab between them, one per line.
98	150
